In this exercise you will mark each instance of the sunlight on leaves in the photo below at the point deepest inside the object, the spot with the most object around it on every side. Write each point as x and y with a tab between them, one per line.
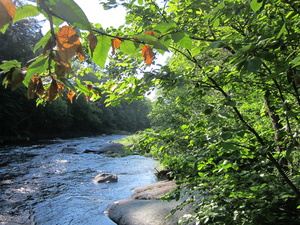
68	44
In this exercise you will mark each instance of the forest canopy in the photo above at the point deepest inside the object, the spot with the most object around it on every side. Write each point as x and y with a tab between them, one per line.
227	120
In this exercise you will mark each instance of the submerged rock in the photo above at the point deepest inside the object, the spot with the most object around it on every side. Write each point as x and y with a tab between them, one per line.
69	150
106	178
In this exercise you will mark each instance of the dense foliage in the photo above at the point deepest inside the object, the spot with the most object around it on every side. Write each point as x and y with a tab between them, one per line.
228	120
23	120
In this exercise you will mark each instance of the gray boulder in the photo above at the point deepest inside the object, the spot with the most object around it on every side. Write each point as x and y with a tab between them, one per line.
145	208
106	178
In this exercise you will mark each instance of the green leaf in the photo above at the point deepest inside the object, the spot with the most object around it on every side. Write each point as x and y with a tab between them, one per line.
255	5
44	40
25	11
165	27
37	67
101	50
148	39
7	65
282	31
231	103
4	28
296	61
129	47
69	11
82	87
68	84
182	39
253	65
141	2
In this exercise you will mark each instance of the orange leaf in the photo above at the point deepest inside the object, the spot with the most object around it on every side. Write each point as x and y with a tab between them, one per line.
115	43
7	12
68	43
151	33
71	95
148	54
92	39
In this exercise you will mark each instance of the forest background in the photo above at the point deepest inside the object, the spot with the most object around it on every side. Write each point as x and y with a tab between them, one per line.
226	123
23	120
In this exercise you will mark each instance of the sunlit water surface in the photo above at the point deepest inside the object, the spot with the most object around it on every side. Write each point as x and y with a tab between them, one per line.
52	183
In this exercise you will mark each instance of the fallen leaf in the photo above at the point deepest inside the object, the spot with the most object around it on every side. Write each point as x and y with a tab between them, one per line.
148	54
115	43
7	12
71	95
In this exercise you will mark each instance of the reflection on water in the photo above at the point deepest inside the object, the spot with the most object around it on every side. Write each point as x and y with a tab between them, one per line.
43	184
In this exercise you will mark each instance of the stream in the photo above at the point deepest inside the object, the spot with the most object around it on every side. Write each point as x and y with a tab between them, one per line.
51	182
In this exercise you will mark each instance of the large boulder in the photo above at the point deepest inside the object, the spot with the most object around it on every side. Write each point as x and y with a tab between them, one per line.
106	178
153	191
145	208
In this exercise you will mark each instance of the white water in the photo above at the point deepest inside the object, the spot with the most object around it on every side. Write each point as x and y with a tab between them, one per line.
55	188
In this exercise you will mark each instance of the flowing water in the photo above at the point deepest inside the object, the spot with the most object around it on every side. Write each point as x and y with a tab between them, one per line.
52	183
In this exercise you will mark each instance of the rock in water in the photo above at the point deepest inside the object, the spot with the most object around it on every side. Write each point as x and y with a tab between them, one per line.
106	178
145	208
